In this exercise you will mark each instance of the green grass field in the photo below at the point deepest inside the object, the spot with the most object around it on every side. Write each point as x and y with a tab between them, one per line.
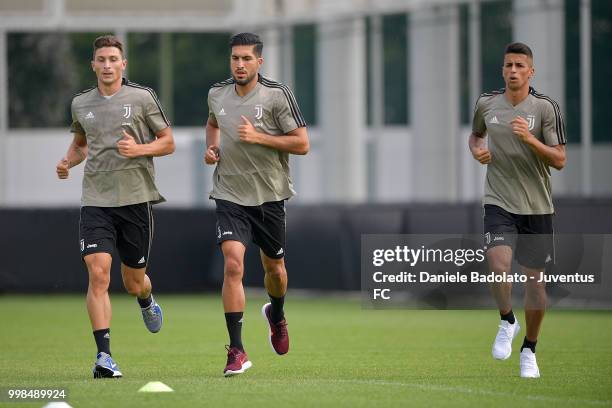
340	355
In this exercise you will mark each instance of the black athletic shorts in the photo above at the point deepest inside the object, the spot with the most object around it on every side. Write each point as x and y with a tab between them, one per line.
263	224
128	228
531	236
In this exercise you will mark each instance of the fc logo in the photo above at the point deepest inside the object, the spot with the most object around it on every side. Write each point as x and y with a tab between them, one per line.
127	110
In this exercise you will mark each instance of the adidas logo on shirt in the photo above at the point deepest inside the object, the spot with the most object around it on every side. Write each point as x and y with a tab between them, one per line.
90	115
222	112
494	120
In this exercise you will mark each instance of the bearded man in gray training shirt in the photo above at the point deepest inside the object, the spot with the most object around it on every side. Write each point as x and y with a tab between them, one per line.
526	137
253	125
119	127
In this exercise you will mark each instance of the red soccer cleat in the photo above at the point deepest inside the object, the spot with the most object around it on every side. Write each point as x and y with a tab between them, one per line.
279	337
237	362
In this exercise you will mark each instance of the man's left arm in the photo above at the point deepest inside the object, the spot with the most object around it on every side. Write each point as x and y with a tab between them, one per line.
161	146
553	155
294	141
156	121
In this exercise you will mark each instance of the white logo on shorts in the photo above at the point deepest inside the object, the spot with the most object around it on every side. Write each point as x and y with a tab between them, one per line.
82	245
142	260
92	246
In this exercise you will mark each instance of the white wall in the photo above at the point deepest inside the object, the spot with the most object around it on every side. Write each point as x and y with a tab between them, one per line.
182	178
32	155
185	181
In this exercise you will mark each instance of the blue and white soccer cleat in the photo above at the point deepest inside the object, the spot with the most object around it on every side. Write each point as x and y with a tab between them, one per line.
105	367
152	316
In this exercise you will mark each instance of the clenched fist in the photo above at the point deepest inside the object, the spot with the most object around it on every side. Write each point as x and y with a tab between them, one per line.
63	168
128	147
212	155
482	154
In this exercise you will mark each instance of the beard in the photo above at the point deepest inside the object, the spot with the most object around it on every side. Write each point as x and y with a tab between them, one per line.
244	81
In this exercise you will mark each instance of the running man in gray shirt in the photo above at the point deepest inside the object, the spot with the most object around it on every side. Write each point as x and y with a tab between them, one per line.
118	127
254	123
526	137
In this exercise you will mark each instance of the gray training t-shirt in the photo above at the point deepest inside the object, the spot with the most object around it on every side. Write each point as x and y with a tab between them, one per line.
517	179
251	174
110	179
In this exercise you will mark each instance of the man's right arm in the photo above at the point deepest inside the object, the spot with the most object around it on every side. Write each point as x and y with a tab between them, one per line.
77	152
213	138
477	141
478	147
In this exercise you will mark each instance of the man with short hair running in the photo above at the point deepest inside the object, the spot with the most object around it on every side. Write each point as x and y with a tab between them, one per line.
118	127
254	123
526	137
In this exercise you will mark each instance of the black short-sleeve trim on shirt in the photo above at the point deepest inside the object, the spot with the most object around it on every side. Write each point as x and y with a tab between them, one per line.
493	93
84	91
488	95
559	124
223	83
293	105
152	92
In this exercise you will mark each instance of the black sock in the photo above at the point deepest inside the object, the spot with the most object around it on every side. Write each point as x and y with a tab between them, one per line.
102	337
144	303
509	317
529	344
234	328
276	310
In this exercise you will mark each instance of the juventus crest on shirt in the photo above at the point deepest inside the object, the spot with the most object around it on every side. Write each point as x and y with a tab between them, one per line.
251	174
517	179
110	179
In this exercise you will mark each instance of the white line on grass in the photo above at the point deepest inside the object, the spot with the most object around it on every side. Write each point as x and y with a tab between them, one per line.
463	390
466	390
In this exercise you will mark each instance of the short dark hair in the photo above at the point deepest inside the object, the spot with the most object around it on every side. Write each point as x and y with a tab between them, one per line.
519	48
247	39
107	41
